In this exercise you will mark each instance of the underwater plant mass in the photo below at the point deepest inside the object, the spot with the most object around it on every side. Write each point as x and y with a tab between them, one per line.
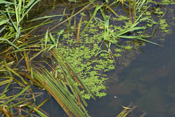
66	50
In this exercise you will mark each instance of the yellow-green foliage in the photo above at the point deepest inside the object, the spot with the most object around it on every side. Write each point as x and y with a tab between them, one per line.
92	56
82	57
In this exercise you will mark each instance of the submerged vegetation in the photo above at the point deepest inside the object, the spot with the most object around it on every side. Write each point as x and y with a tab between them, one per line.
70	59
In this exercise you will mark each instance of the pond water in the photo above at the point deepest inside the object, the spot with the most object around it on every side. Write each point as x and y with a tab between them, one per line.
148	83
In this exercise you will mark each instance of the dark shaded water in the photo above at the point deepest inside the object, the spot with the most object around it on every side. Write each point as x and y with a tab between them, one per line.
149	83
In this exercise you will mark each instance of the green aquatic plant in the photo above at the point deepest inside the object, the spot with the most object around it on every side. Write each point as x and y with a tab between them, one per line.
126	110
2	39
50	39
58	88
163	2
164	26
11	17
80	58
18	9
89	58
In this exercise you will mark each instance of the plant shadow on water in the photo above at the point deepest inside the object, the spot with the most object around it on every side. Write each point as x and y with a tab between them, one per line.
54	109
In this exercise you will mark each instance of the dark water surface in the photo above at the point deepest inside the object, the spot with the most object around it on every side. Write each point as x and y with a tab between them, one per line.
148	83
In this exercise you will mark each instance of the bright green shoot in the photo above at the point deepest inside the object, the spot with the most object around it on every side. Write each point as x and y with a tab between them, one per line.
21	9
50	39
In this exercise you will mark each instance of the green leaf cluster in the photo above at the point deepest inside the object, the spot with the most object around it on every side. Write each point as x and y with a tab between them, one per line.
97	49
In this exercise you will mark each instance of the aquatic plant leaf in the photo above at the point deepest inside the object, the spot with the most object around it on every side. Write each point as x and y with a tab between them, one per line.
44	17
27	61
93	15
28	7
38	111
78	30
27	87
46	38
4	21
16	74
126	110
10	79
4	109
73	15
2	39
20	104
5	2
58	36
58	90
69	77
112	10
59	59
